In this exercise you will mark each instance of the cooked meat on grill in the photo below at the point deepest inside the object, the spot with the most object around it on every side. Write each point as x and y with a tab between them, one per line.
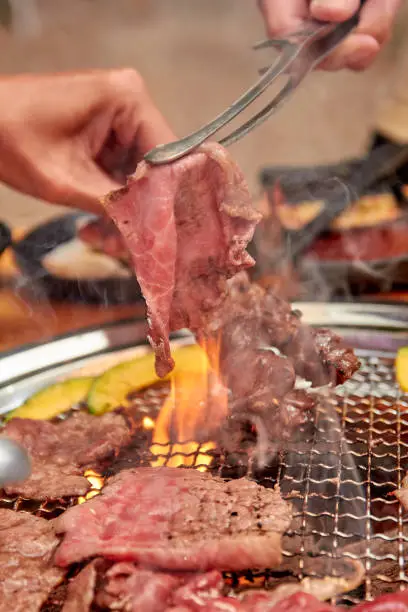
250	317
127	587
186	225
402	493
259	377
27	574
177	519
49	480
60	452
319	355
262	383
81	590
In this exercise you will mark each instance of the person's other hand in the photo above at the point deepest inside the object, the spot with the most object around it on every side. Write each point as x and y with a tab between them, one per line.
360	48
70	138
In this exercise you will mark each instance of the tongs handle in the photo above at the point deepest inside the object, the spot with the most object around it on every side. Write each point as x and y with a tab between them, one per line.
303	50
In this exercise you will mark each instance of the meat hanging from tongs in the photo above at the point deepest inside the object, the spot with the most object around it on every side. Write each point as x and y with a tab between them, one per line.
187	225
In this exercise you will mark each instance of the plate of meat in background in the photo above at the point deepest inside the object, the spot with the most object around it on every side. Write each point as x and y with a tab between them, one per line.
78	257
366	248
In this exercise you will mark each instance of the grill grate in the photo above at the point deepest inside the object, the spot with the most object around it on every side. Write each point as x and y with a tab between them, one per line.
339	475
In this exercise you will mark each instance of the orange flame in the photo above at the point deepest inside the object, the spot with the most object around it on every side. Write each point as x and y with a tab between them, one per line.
96	482
196	405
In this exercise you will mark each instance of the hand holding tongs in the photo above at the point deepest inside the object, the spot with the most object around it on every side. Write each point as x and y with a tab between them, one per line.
300	53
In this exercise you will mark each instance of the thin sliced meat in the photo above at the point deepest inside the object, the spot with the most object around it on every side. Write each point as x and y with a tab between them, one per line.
127	587
60	452
49	480
187	226
402	493
27	573
177	519
81	590
298	602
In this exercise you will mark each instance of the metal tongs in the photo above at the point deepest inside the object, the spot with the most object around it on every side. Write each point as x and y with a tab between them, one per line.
299	54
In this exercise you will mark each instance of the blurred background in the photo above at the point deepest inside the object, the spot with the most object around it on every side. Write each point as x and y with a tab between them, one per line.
196	58
60	273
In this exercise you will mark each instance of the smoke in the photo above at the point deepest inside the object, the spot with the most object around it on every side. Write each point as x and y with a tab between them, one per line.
344	266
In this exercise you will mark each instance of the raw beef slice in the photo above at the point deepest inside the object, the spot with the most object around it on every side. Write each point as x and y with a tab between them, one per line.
187	226
177	519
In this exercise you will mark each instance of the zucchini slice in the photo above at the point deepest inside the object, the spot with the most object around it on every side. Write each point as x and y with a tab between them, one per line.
112	388
401	368
53	400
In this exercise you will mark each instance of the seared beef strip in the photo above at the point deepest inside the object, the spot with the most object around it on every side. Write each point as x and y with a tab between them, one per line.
27	574
177	519
262	382
128	588
186	225
60	452
81	590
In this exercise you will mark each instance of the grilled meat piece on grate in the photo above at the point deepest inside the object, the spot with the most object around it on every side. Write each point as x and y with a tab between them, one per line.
126	587
27	574
60	452
177	519
319	356
261	382
81	590
250	317
186	225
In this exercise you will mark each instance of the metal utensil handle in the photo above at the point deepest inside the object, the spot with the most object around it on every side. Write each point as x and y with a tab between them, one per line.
163	154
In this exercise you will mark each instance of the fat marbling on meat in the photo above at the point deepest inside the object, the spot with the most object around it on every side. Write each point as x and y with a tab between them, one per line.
187	225
177	519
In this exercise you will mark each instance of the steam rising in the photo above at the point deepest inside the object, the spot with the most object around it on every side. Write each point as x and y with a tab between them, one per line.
323	279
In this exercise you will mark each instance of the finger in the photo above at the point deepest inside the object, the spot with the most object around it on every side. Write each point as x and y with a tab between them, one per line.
333	10
377	18
283	16
136	118
362	47
356	53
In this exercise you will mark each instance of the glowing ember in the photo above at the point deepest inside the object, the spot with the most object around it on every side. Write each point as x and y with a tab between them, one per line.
96	482
195	407
148	423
